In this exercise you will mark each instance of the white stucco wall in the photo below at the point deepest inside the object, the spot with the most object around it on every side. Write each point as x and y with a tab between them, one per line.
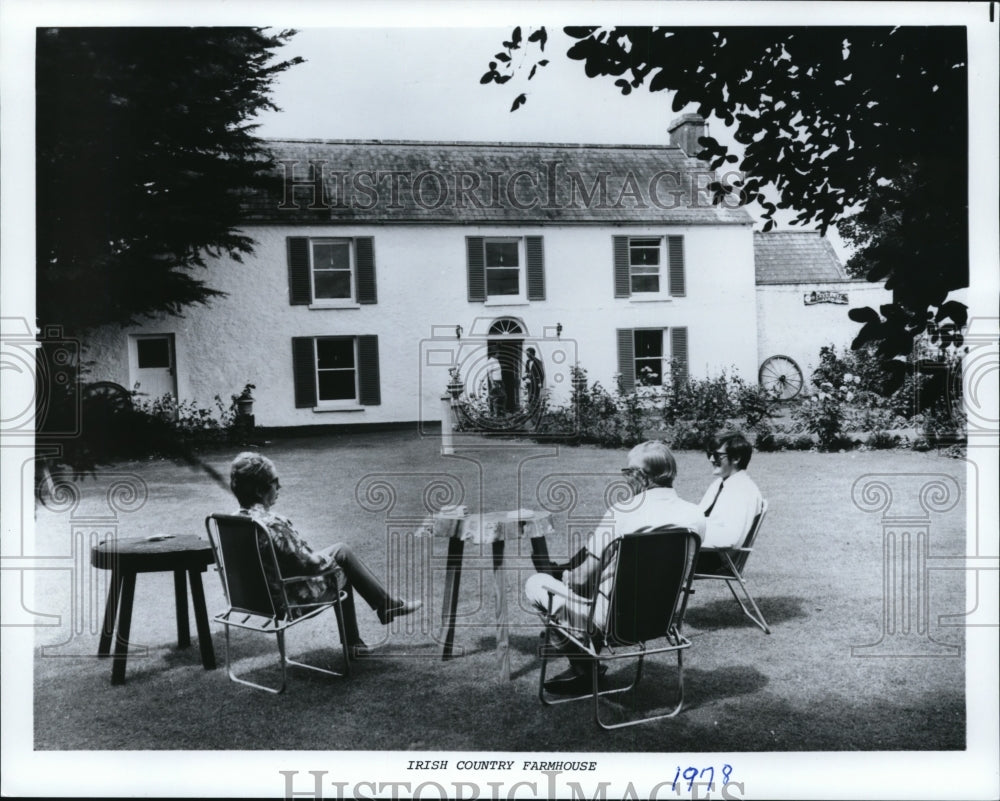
786	325
422	292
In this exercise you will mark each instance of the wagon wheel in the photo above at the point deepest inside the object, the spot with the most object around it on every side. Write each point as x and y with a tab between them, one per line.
109	395
780	376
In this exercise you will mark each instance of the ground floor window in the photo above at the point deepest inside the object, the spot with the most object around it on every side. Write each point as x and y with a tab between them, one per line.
652	356
338	371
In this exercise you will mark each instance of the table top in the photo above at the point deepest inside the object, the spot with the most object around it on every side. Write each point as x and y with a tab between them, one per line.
486	527
159	552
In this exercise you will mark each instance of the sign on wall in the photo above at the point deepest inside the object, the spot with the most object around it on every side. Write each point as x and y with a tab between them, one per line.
824	296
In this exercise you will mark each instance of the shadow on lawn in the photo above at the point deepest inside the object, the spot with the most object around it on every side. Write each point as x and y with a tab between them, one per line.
659	670
726	612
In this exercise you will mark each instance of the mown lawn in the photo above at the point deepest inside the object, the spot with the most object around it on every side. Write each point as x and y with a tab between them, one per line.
817	575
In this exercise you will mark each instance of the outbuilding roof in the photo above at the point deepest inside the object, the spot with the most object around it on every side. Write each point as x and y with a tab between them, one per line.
487	182
796	257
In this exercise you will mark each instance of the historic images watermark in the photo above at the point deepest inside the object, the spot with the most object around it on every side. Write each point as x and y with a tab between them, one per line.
527	778
318	185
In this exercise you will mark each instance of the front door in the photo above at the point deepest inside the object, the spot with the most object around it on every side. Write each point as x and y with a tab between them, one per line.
152	365
508	353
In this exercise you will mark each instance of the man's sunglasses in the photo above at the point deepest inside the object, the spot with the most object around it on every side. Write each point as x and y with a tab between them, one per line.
716	457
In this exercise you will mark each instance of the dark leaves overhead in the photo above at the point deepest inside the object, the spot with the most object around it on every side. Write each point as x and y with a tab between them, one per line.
864	128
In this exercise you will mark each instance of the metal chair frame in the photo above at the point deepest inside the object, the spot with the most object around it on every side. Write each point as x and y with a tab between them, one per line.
731	571
599	647
257	609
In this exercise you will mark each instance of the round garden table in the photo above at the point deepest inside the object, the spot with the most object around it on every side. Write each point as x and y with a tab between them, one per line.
126	558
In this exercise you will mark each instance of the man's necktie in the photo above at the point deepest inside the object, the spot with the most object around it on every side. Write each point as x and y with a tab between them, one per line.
715	500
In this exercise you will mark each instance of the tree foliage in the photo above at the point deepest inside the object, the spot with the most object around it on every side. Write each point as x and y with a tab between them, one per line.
864	128
144	147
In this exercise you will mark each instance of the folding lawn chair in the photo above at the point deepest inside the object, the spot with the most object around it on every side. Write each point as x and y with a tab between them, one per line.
646	602
245	557
728	565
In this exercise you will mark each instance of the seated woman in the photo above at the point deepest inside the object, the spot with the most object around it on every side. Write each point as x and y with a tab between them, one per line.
254	481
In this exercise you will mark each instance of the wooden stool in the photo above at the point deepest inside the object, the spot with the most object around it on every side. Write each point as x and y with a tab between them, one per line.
128	557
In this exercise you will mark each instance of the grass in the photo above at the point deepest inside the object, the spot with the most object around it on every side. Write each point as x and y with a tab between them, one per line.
817	574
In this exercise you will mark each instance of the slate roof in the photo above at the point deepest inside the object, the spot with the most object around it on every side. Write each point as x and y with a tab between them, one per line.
490	183
796	257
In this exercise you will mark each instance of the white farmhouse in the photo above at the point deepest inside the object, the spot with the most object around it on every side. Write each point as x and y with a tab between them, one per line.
379	266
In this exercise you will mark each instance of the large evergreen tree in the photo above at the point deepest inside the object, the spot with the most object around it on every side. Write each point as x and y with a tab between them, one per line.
144	146
864	128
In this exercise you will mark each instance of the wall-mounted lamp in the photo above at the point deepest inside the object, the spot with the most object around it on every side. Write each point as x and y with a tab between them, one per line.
458	332
558	330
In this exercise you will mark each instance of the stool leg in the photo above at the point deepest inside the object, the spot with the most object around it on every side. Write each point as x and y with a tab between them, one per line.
110	613
124	627
180	599
201	620
452	578
500	607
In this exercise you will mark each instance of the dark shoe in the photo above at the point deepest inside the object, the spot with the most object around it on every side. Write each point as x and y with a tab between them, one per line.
400	609
573	682
359	650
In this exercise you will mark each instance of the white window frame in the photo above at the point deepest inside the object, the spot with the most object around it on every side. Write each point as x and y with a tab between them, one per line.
348	302
661	273
522	274
665	356
340	403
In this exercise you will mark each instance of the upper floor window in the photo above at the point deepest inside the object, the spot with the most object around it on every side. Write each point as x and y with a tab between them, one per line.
639	263
331	271
505	268
644	263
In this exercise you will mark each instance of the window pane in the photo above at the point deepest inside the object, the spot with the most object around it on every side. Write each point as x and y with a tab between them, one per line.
336	385
501	254
649	372
649	344
334	353
502	281
331	255
153	352
645	283
333	284
644	251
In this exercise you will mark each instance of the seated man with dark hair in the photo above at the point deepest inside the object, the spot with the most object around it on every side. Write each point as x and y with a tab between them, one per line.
732	500
650	472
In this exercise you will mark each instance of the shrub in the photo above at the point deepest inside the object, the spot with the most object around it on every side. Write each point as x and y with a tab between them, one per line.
883	440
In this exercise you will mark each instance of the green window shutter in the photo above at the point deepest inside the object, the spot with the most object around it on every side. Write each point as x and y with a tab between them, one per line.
299	283
364	260
369	392
679	351
675	260
626	358
476	265
536	267
304	372
622	285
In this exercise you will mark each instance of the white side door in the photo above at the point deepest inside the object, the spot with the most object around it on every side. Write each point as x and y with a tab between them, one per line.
152	365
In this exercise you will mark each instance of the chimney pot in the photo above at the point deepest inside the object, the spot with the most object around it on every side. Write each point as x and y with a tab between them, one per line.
685	131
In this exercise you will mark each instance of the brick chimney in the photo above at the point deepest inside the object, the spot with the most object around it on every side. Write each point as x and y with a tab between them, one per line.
684	133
